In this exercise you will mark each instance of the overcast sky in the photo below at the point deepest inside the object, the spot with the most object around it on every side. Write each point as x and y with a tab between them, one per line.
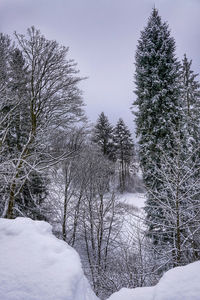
102	36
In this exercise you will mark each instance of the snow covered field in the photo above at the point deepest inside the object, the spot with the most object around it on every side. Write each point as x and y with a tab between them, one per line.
35	265
133	223
135	199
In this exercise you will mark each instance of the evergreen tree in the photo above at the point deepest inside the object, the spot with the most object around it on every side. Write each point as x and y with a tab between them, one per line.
17	134
30	200
191	105
5	117
158	117
124	150
103	135
5	49
5	98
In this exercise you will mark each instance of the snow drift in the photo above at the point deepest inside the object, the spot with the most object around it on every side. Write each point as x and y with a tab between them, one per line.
181	283
35	265
145	293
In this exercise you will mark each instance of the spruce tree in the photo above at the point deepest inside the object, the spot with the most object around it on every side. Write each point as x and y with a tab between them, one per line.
191	105
5	116
191	123
103	135
18	78
124	150
30	201
158	117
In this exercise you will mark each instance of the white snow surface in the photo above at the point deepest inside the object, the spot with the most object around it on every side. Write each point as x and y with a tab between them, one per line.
181	283
35	265
145	293
135	199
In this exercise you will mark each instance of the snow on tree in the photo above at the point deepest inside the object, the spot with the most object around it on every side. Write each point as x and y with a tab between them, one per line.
46	92
191	105
159	115
179	201
31	196
124	151
191	125
102	135
88	213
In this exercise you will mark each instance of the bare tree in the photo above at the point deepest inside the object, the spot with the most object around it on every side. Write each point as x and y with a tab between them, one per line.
179	202
54	102
100	222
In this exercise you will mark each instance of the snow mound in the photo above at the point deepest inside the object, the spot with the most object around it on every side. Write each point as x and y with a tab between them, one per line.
181	283
145	293
35	265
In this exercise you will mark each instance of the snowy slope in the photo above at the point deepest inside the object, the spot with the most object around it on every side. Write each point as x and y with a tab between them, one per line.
181	283
34	265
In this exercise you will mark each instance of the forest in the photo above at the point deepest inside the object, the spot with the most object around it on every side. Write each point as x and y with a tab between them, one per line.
57	167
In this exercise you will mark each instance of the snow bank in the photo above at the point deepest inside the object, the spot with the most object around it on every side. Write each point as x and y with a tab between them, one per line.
145	293
181	283
35	265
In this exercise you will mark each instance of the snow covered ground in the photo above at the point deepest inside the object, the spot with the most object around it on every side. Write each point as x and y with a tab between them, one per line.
35	265
135	199
181	283
145	293
133	222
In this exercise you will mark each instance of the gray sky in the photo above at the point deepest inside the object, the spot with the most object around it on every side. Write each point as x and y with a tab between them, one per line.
102	36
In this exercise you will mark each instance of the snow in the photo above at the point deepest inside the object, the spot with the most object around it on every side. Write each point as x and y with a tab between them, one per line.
133	222
145	293
35	265
181	283
135	199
